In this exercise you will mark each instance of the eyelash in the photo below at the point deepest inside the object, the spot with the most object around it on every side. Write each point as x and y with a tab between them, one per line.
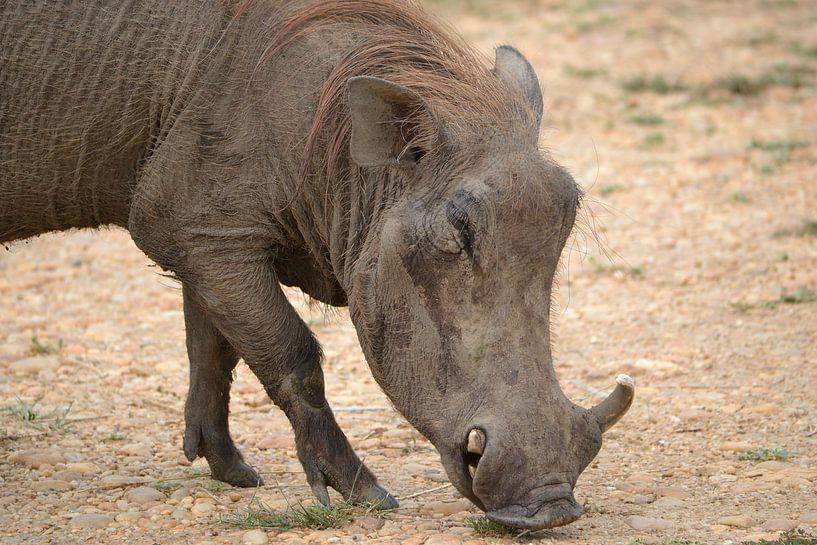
459	219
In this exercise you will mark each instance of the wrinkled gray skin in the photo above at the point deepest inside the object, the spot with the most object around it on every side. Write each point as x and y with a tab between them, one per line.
150	116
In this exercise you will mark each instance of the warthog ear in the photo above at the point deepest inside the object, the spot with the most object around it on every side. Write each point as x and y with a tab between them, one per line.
385	119
511	64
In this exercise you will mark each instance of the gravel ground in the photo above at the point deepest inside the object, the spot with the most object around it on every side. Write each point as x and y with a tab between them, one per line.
694	269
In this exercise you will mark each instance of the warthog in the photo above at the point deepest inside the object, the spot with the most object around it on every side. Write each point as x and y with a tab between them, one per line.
355	149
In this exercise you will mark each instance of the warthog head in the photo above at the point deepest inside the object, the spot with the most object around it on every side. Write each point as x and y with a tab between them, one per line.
451	293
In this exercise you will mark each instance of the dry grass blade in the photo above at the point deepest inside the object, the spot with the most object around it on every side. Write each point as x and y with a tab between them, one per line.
424	492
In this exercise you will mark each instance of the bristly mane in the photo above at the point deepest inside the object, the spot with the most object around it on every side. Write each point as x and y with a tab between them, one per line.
398	41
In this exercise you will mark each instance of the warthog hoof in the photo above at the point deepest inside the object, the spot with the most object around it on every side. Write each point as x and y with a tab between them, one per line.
376	497
238	474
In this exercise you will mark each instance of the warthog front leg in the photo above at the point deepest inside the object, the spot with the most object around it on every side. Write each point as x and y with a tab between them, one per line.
207	432
248	306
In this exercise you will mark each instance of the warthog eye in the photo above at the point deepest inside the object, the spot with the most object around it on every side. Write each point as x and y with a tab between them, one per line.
459	219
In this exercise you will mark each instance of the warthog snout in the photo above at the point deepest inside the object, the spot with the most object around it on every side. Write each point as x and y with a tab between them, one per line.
500	475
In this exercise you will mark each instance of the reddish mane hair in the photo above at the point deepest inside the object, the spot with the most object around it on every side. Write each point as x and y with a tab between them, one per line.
398	41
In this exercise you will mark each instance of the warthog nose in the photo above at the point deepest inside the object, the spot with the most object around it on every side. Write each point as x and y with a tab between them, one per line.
474	449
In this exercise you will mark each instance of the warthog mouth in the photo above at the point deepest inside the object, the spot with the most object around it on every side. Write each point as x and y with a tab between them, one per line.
548	505
551	514
552	504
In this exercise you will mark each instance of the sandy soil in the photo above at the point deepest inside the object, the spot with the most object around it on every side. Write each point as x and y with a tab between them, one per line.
693	269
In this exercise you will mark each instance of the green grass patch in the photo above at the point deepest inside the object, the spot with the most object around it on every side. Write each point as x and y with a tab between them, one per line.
804	51
32	413
39	348
167	486
316	516
648	120
802	295
780	75
488	528
215	486
741	306
780	149
115	436
765	454
60	420
583	73
740	197
787	75
24	410
653	140
767	169
794	76
737	84
807	228
762	37
792	537
658	84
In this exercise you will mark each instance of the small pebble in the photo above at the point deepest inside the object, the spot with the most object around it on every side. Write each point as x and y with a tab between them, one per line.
765	409
668	502
780	524
446	508
642	499
371	523
181	493
202	509
734	447
143	494
36	458
646	523
809	518
85	468
737	521
255	537
672	492
34	364
443	539
50	484
91	520
142	450
414	469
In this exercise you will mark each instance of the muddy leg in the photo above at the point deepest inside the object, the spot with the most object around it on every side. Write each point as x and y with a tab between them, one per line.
207	432
246	303
323	449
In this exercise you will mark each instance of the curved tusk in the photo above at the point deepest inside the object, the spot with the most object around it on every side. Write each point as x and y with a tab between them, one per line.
476	441
610	411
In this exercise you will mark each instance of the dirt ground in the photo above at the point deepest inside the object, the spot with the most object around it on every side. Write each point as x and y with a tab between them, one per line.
691	127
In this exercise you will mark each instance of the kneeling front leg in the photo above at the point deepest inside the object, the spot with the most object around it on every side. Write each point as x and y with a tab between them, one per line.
251	310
